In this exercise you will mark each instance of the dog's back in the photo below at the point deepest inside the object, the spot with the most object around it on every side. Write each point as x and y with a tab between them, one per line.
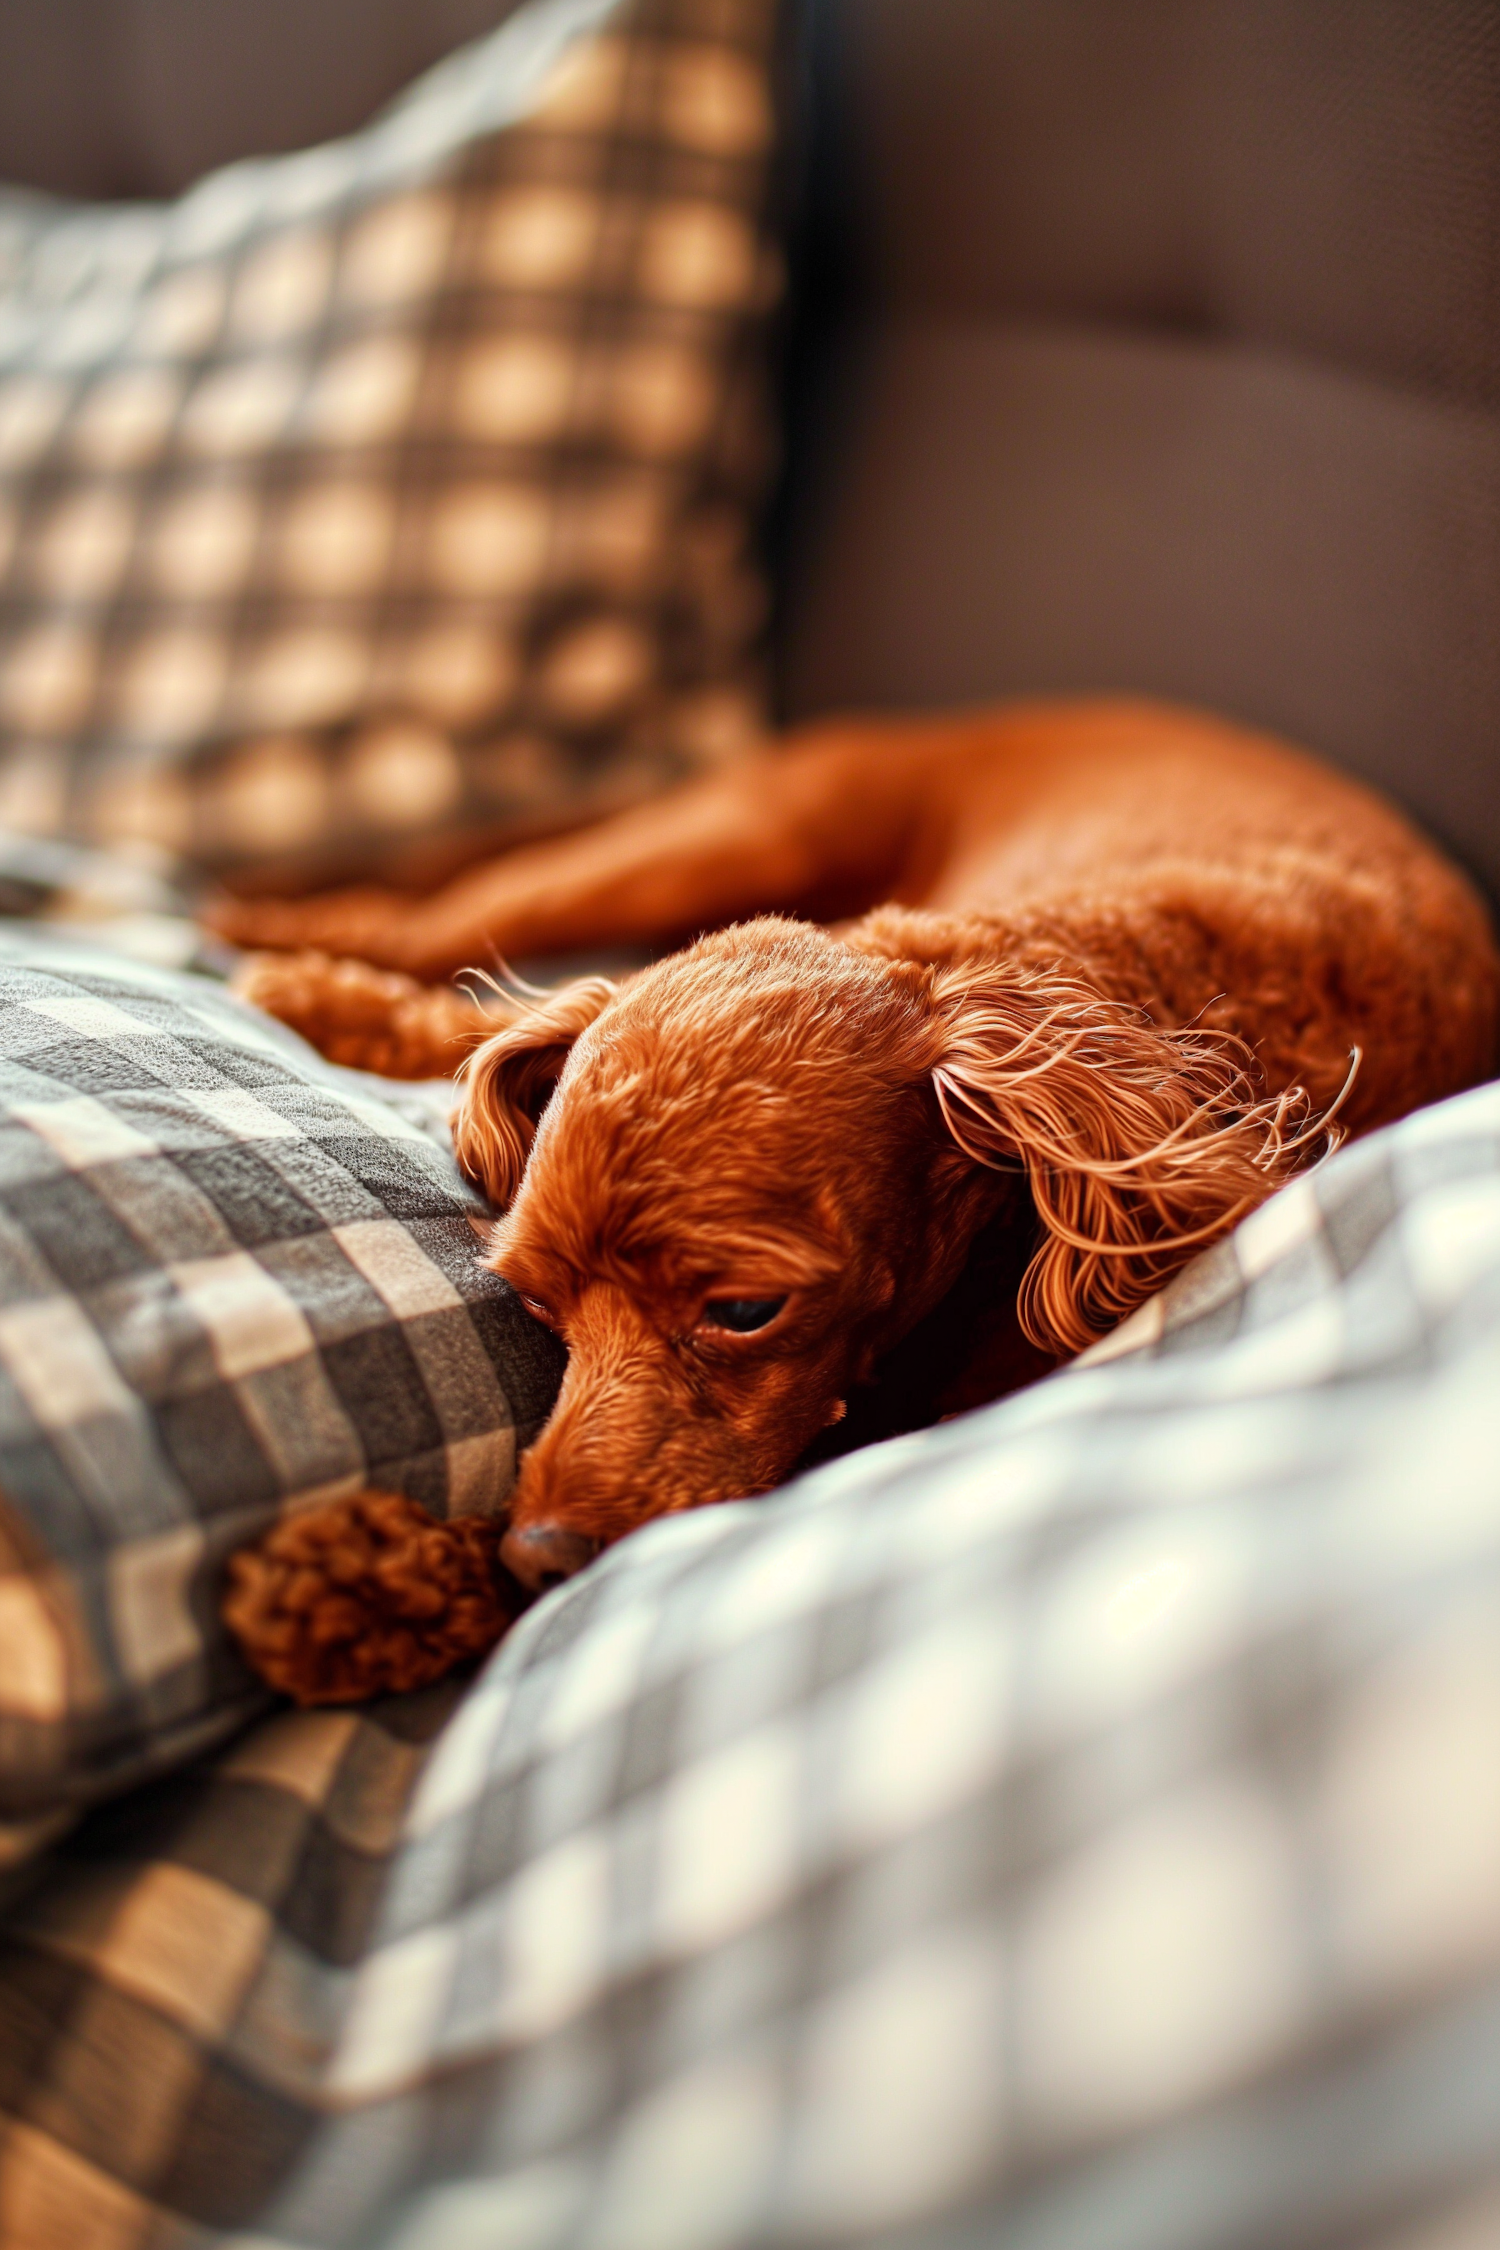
1118	940
1213	876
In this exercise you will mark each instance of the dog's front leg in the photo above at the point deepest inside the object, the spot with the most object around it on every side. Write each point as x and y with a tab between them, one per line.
369	1596
831	817
366	1018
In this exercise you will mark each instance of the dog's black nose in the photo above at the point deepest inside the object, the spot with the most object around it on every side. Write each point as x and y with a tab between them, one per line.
544	1554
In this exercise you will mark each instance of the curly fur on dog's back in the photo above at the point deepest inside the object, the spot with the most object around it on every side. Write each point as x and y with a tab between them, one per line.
1132	963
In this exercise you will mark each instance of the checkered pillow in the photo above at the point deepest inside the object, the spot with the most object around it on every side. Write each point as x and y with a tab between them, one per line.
1076	1828
180	1961
231	1280
402	487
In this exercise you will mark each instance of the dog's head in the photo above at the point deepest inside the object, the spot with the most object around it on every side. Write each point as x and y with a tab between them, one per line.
735	1181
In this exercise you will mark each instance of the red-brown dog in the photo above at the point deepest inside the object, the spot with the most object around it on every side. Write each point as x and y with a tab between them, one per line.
1126	956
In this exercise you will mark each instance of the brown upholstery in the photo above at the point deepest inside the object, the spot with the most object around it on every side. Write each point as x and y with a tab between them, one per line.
139	97
1155	344
1145	344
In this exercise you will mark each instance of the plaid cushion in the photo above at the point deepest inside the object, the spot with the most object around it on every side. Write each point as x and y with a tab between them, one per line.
401	485
115	898
232	1280
1076	1827
169	1993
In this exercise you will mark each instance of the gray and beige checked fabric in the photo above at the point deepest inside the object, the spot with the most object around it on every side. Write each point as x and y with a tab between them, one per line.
232	1280
1076	1827
188	1957
114	899
403	486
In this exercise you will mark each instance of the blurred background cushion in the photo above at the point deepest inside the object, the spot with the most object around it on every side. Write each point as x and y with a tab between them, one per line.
1155	347
232	1279
399	489
109	99
1147	348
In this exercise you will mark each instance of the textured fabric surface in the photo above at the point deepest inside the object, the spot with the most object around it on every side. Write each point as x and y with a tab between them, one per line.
116	900
142	97
1157	348
169	1988
1075	1825
399	488
232	1279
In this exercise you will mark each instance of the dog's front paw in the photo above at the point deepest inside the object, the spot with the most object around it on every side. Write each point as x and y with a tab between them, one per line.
366	1018
368	1596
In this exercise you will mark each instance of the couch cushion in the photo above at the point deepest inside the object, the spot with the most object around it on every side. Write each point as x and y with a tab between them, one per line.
185	1935
1078	1824
397	490
1155	349
142	97
232	1280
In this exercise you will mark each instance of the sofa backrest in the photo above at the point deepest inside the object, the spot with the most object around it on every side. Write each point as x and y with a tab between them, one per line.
1155	344
140	97
1141	344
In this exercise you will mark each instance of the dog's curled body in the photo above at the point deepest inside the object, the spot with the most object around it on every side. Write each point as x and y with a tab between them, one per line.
1124	958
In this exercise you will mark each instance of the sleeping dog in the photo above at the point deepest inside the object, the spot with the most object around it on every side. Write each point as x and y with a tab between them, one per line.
1122	969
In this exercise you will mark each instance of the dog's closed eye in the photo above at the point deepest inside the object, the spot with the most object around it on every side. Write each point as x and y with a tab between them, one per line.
742	1316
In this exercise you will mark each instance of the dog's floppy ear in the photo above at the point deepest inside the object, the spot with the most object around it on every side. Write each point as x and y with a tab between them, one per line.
508	1081
1139	1145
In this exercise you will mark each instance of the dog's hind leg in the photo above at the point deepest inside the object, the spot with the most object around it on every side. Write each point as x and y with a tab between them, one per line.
824	826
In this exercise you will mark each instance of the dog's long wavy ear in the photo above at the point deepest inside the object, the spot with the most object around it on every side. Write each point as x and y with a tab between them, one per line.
1139	1145
508	1081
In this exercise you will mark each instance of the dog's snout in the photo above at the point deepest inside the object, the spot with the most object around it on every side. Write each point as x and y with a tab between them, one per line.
542	1555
